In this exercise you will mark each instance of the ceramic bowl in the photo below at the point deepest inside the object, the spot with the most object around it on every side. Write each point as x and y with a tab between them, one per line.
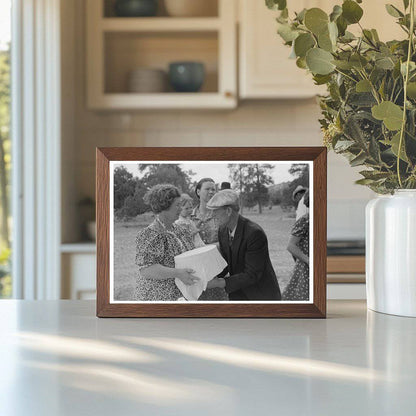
191	8
186	76
135	8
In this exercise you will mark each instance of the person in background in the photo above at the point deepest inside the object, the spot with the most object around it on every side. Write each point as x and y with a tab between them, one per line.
158	244
243	244
225	185
204	220
298	197
201	215
298	286
184	220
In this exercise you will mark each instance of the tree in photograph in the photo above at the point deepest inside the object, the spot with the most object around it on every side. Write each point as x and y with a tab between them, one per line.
238	171
124	186
173	174
252	181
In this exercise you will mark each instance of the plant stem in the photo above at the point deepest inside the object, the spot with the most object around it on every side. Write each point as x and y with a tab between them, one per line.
406	78
345	75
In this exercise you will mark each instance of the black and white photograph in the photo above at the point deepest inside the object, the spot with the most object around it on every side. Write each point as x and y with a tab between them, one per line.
211	231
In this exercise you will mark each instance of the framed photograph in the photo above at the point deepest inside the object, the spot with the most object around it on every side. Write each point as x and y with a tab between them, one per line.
211	232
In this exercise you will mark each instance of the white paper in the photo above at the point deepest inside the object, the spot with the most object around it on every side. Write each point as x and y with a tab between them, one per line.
207	263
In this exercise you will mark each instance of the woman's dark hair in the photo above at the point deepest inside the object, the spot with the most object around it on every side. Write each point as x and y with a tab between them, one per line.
200	183
161	197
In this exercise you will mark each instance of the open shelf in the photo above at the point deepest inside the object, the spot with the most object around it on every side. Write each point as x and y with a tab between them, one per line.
127	51
116	46
210	9
160	24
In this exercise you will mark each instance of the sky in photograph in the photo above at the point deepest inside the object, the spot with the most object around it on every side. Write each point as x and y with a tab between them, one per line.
219	171
5	20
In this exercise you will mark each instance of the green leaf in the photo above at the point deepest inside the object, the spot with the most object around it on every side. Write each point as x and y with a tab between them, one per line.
412	67
361	99
316	20
368	36
303	43
358	61
341	64
385	63
411	90
301	63
374	150
393	11
319	61
343	145
394	144
325	43
336	12
390	113
342	25
358	160
364	181
406	4
351	11
333	32
375	35
276	4
348	37
286	32
321	79
363	86
374	175
300	17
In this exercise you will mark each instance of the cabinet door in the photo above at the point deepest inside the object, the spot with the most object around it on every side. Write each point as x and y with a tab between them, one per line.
265	68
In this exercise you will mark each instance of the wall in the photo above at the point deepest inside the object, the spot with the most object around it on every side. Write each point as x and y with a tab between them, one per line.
255	123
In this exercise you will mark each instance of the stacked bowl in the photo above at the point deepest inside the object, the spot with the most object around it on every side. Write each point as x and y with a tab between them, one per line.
147	80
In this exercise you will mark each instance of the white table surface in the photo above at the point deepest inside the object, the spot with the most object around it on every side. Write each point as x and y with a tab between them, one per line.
57	358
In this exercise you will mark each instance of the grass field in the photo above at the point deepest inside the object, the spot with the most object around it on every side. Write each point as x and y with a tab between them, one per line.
276	223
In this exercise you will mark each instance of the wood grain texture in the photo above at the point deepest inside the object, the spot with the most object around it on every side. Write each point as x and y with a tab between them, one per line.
317	309
346	264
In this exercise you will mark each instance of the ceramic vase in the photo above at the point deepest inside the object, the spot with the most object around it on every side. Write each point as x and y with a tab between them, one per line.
391	253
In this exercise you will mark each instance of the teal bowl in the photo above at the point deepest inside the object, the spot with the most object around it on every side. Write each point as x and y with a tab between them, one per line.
135	8
186	76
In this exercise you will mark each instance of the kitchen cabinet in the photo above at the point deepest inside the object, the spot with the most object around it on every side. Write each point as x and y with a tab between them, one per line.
118	45
265	70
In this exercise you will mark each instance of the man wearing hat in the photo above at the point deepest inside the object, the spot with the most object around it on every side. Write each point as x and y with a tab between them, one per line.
297	196
243	244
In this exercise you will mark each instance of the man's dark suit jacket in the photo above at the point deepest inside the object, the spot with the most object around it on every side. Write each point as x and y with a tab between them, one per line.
251	272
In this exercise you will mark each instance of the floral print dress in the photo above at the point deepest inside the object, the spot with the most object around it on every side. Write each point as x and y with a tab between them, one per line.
208	230
298	287
156	245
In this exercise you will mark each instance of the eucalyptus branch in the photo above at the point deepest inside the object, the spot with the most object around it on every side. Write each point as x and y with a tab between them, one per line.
346	75
406	79
392	90
373	89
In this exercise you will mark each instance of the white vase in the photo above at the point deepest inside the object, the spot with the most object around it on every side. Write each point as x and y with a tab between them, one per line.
391	253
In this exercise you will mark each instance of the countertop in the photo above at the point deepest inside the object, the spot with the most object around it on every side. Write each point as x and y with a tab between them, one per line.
57	358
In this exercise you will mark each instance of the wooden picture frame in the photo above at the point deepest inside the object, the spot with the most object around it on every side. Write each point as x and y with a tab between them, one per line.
316	157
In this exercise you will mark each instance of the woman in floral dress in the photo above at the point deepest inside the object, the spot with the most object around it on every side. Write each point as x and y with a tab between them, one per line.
158	244
298	287
201	215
